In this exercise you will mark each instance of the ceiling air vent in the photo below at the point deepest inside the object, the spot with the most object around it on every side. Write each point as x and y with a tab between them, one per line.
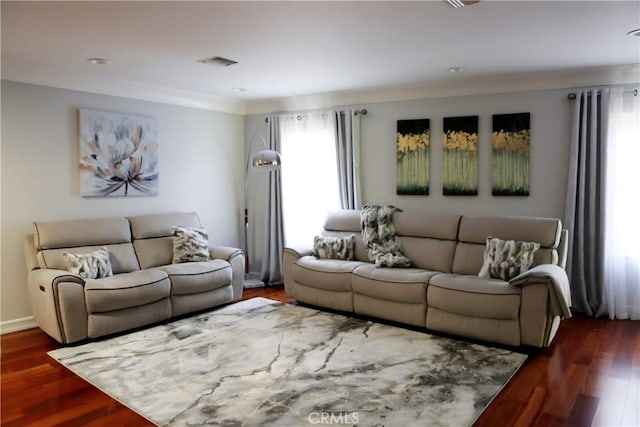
217	60
459	3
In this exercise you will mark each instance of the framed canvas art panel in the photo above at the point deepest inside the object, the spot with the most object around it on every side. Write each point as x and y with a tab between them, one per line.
118	154
412	154
460	156
511	147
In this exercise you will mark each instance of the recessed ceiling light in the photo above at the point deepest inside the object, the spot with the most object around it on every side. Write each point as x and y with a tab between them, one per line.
238	89
97	61
456	69
635	32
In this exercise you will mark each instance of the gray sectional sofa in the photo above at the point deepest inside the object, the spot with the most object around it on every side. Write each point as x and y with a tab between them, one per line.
442	291
145	287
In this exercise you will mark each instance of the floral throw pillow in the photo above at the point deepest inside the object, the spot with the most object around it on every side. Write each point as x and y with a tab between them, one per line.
334	247
505	259
190	244
93	265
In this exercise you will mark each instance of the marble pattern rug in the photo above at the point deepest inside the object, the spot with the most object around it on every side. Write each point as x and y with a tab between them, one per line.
263	363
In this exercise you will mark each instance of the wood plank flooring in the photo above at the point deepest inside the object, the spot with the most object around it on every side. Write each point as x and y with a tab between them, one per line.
590	376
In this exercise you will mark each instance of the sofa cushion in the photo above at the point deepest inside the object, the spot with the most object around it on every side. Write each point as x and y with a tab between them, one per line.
406	285
190	244
545	231
325	247
343	220
196	277
81	232
420	224
154	252
152	236
469	254
92	265
344	223
429	254
126	290
474	296
333	275
159	225
506	259
122	257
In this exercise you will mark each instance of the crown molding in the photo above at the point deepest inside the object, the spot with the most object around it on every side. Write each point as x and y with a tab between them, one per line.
508	83
114	86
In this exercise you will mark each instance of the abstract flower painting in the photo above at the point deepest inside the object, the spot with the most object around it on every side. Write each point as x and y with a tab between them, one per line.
118	155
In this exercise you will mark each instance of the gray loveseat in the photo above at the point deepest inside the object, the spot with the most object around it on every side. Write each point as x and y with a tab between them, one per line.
442	292
145	287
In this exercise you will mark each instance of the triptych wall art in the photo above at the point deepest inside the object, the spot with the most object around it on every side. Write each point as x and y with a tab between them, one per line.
510	140
412	142
510	158
460	156
118	154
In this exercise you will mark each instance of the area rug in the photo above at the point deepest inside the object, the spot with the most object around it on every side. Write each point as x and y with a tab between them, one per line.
264	363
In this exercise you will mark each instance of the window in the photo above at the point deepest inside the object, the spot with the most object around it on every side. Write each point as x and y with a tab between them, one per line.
622	208
309	175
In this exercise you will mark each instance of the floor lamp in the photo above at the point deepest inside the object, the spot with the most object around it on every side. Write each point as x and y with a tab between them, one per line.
265	160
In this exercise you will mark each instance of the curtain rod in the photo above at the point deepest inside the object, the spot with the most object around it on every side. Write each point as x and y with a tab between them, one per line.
362	112
573	95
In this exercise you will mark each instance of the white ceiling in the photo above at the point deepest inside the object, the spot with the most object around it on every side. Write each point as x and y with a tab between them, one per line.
290	49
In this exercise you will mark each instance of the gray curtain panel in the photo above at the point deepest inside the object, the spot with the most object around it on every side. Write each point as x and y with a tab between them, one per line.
584	208
348	156
271	272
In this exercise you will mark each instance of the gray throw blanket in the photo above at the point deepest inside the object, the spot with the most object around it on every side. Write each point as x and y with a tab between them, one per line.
379	235
556	280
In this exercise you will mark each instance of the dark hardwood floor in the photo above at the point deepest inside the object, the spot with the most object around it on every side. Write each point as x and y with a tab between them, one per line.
589	376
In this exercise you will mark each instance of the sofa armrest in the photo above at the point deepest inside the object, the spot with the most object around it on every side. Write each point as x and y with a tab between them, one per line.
48	277
58	304
556	280
224	252
299	251
290	255
235	257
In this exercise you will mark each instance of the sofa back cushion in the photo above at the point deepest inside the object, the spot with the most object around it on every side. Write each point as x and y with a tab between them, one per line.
344	223
428	240
53	238
473	233
152	236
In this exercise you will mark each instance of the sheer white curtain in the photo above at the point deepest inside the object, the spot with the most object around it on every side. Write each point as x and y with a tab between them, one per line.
310	186
622	219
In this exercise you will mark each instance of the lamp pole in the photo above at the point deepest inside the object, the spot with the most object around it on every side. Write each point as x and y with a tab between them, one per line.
265	160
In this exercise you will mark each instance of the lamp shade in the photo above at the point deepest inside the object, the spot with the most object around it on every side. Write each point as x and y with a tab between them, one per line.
266	160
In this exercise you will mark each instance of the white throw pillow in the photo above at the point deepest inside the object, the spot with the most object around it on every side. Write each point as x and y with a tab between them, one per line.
334	247
505	259
93	265
190	244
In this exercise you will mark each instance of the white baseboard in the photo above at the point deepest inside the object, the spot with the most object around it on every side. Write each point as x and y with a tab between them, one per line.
17	325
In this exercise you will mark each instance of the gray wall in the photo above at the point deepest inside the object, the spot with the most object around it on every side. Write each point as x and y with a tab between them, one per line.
201	169
202	165
549	153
